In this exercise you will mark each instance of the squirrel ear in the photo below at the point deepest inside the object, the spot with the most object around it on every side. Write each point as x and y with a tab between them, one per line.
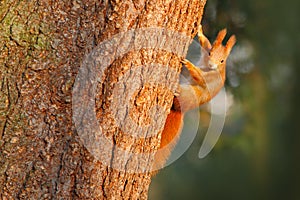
220	37
230	43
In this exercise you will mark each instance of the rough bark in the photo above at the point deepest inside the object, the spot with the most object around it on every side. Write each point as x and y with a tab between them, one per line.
43	44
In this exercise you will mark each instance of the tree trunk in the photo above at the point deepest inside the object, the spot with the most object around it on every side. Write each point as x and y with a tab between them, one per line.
67	132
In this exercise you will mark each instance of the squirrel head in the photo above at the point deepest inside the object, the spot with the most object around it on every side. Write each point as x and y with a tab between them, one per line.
218	54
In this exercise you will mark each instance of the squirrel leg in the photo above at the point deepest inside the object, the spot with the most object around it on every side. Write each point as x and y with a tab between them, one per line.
195	72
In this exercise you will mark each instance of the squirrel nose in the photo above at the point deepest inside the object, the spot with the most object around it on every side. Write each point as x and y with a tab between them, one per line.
212	65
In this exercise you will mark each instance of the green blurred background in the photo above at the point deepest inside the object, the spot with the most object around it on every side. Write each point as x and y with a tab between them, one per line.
258	153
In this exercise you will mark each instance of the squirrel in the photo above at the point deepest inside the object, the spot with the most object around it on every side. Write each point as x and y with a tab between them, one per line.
207	81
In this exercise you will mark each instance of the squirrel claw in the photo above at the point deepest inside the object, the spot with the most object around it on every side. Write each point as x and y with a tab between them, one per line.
185	61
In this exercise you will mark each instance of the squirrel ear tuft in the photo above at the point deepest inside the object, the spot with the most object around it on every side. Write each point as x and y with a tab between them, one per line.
230	43
220	37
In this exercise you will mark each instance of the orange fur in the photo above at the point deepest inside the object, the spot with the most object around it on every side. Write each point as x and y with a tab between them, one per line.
169	137
172	128
209	80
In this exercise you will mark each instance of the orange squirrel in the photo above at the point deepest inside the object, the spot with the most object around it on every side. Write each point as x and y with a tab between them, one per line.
206	83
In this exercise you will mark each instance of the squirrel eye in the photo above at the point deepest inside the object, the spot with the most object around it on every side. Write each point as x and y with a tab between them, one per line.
209	53
222	61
